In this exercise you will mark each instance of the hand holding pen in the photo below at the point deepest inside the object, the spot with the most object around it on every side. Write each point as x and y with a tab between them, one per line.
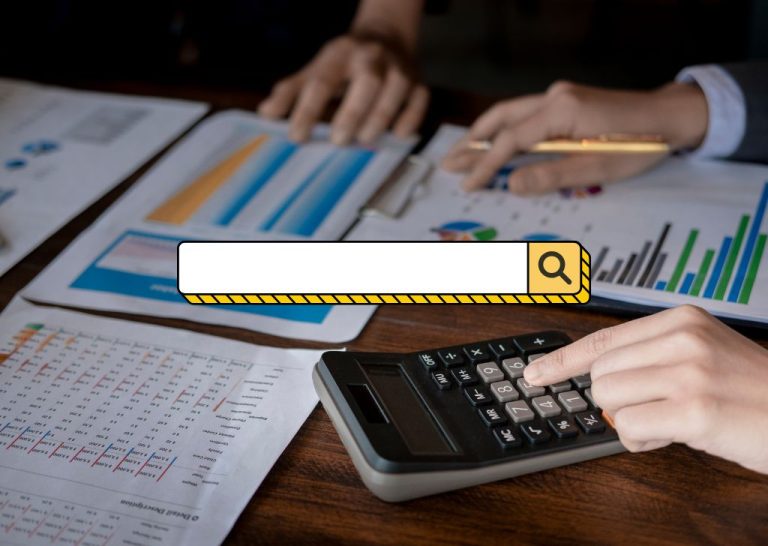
575	116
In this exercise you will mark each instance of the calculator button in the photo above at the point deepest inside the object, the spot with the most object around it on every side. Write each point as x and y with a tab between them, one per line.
464	376
588	394
519	411
560	387
442	380
492	416
428	360
563	427
451	357
503	392
590	422
546	406
514	367
502	349
529	390
535	433
507	437
572	401
477	396
489	372
537	356
477	354
582	381
541	343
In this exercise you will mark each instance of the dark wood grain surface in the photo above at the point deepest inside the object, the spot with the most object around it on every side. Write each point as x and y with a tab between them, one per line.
313	495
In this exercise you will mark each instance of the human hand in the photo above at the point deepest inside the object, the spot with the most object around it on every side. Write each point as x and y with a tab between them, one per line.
677	376
676	112
376	78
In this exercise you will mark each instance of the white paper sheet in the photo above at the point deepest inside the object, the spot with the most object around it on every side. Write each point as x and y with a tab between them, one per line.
60	150
236	177
703	202
113	432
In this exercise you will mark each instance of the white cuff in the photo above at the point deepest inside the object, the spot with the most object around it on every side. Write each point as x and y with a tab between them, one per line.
727	109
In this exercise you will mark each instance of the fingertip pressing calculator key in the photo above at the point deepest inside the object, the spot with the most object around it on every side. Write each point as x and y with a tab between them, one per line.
422	423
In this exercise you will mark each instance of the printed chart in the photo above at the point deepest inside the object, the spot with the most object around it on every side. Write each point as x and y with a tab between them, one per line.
108	438
235	177
727	272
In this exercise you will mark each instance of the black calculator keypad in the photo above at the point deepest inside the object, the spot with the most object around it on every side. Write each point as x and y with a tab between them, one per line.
519	416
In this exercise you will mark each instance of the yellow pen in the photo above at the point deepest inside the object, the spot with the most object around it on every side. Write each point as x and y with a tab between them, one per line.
613	143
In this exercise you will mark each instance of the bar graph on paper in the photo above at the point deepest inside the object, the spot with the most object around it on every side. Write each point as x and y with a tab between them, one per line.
726	272
142	423
269	184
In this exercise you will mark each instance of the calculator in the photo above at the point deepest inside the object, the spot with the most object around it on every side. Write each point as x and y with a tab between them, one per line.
422	423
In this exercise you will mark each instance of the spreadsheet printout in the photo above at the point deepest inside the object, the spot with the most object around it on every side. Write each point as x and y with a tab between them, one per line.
119	433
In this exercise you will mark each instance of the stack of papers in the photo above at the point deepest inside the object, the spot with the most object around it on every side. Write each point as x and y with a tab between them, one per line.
60	150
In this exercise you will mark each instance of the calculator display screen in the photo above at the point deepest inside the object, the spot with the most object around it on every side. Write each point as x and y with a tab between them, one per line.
413	421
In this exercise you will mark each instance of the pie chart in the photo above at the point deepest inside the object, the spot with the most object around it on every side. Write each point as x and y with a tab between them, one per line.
465	230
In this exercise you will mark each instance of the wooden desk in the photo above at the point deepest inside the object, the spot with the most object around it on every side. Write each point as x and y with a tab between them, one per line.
313	495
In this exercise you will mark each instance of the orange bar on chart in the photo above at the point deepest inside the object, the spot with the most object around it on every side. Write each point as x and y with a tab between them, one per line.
181	206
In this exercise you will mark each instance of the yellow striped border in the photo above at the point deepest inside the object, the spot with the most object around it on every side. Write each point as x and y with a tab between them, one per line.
582	296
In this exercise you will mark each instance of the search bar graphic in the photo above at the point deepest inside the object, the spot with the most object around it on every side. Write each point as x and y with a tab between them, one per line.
287	272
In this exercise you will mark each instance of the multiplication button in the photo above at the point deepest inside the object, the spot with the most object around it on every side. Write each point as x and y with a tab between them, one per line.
477	354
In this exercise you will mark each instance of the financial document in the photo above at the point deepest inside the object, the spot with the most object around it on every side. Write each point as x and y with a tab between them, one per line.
236	177
116	433
60	150
686	232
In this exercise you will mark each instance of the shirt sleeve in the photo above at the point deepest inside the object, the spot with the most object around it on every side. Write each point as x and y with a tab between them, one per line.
727	109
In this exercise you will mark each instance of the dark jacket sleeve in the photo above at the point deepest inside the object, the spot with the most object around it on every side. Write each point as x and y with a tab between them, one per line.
752	77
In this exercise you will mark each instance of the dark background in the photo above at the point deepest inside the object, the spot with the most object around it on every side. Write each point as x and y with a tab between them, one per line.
491	47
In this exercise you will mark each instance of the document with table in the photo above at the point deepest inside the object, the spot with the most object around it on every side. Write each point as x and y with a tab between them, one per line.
60	150
113	432
686	232
236	177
